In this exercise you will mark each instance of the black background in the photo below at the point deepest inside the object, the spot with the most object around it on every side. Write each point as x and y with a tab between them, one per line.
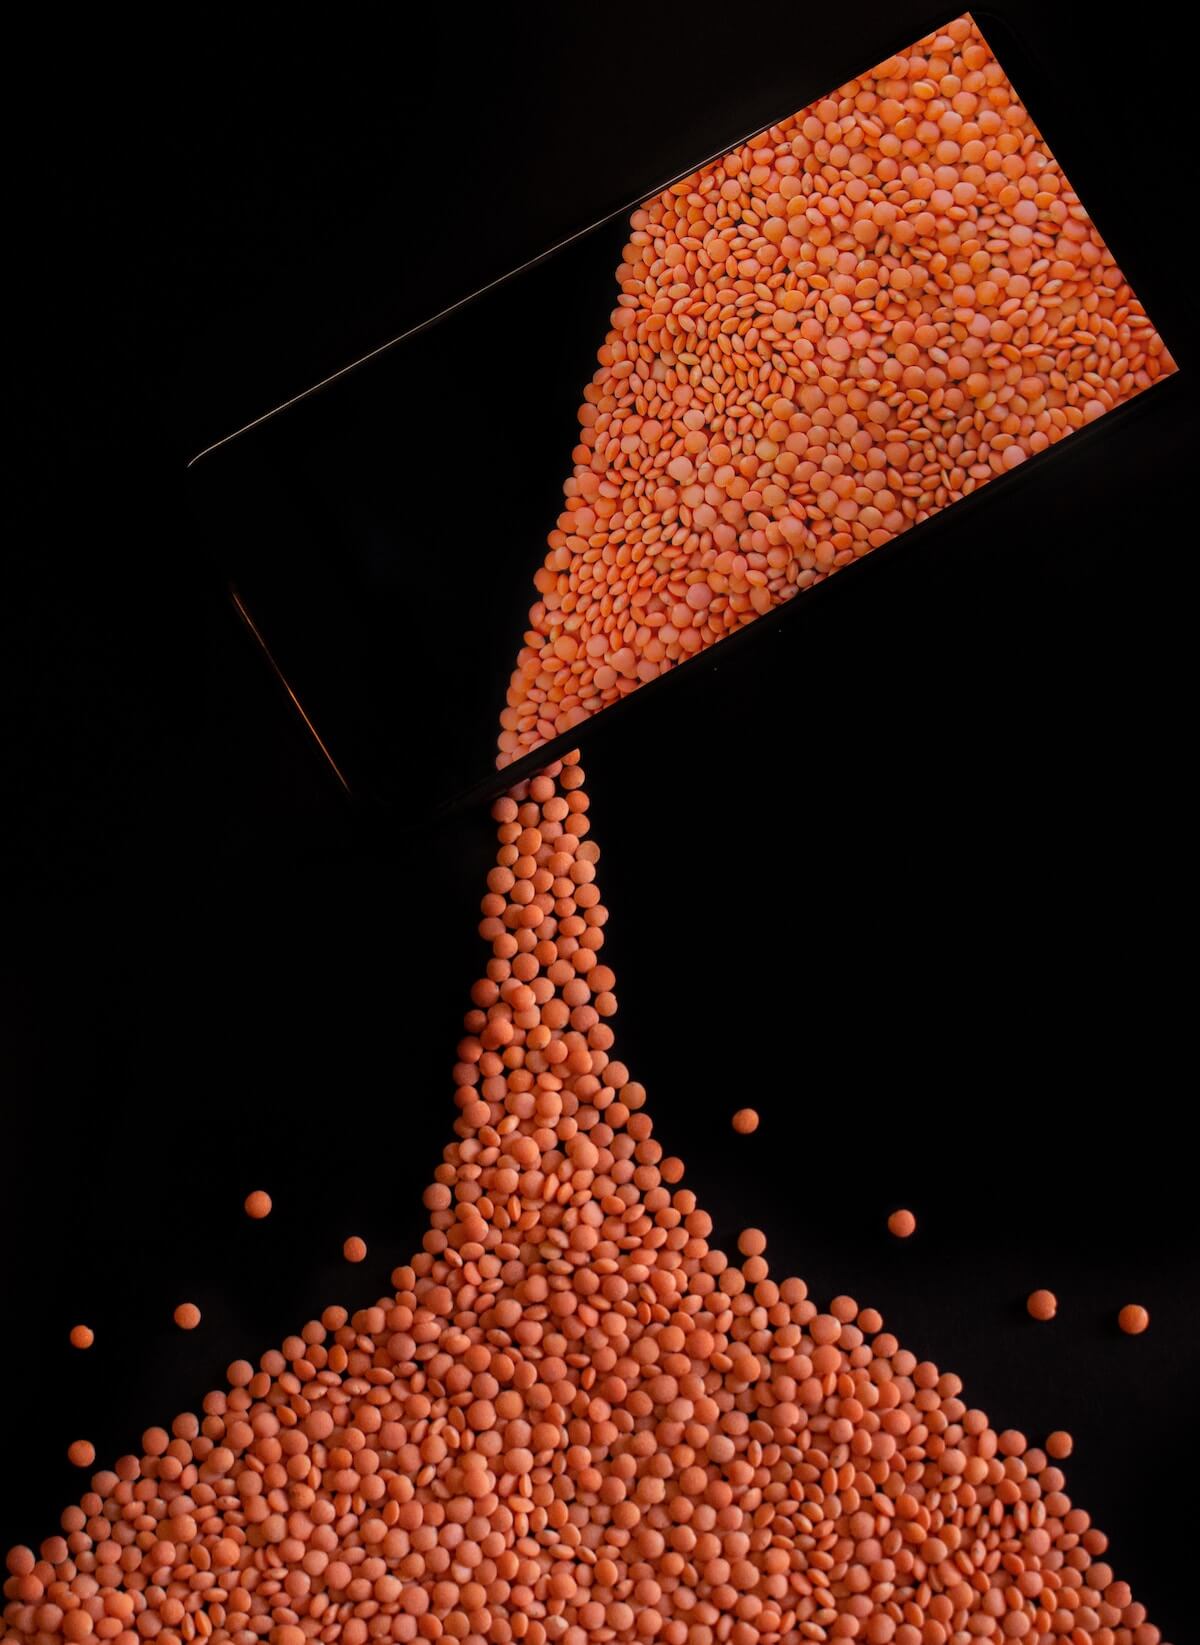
910	876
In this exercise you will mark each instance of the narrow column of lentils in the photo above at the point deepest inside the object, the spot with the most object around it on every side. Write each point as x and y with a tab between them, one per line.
572	1419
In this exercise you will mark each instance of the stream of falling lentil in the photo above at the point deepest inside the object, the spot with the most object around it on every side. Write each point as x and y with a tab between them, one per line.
573	1420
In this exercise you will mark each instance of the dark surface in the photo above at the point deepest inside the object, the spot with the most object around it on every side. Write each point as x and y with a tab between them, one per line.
412	498
909	876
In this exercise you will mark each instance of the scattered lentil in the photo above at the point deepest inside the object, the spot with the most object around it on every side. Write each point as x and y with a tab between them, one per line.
1042	1305
1133	1319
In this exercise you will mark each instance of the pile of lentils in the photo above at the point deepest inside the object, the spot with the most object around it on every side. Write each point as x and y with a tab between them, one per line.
574	1420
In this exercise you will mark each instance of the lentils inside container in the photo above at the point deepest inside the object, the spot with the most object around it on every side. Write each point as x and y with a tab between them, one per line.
843	326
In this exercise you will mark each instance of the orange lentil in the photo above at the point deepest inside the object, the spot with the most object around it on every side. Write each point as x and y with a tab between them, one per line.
874	277
82	1336
187	1316
902	1224
258	1204
485	1375
745	1121
1133	1319
571	1418
354	1249
1042	1305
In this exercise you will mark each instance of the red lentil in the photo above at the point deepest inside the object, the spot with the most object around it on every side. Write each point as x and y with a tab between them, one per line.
187	1316
354	1249
81	1453
1133	1319
258	1204
819	340
745	1121
1042	1305
902	1224
82	1336
1059	1445
572	1419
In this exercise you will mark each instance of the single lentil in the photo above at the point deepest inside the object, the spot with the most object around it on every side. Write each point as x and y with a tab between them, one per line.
1042	1305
